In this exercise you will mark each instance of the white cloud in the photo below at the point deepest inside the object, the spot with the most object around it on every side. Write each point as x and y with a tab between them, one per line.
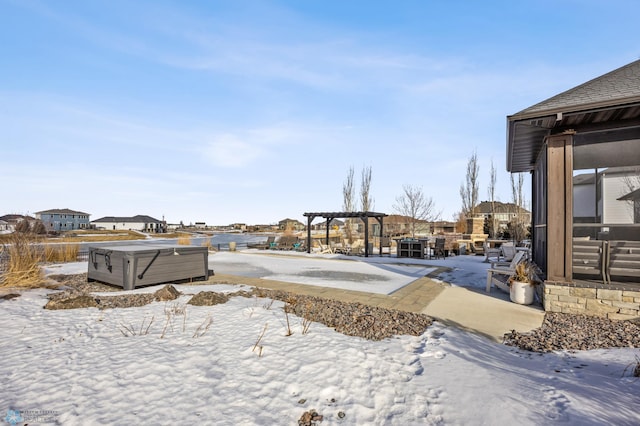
228	150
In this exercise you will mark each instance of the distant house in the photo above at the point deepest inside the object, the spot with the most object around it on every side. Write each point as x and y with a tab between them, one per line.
63	219
239	226
502	212
4	226
12	220
443	227
398	225
292	224
140	223
608	196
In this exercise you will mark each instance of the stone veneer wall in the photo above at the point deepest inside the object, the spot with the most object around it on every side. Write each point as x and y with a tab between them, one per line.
619	304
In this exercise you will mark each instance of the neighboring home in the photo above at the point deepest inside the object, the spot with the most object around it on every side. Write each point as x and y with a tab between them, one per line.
399	225
590	129
200	225
174	226
4	226
140	223
239	226
293	225
443	227
502	212
261	228
606	195
13	219
633	198
335	224
63	219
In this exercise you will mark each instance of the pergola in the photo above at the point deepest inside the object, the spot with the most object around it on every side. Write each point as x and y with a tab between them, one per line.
329	216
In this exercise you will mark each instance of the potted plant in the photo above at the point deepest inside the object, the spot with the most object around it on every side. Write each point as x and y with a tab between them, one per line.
522	284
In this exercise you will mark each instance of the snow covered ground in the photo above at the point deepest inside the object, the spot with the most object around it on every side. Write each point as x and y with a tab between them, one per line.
172	363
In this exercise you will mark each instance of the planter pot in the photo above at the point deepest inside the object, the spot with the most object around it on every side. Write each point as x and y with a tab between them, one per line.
521	293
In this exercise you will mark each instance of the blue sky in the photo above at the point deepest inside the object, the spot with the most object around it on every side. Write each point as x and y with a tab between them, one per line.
254	111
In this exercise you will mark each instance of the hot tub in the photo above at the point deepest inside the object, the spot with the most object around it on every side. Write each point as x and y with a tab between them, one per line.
130	266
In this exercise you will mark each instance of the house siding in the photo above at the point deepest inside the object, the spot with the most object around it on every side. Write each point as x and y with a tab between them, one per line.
616	211
63	221
583	201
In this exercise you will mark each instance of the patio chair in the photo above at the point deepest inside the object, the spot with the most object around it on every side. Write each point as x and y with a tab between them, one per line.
263	246
357	247
503	270
299	246
325	249
508	250
491	252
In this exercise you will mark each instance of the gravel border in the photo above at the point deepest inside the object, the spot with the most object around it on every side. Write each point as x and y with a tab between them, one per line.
558	331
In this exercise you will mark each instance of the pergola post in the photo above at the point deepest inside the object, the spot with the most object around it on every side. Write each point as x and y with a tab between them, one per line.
330	216
309	220
366	236
326	241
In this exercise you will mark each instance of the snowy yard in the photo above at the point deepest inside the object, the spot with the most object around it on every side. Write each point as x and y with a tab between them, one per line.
173	363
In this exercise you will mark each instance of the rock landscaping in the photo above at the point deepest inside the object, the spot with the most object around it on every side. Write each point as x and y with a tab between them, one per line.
577	332
558	332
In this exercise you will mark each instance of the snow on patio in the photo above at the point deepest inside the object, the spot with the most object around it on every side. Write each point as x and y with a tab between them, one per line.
336	272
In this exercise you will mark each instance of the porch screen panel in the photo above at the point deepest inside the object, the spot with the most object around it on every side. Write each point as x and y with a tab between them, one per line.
539	205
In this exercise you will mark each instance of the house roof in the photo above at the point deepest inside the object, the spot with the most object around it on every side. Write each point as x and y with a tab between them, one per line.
584	179
498	207
62	211
611	98
632	196
15	217
135	219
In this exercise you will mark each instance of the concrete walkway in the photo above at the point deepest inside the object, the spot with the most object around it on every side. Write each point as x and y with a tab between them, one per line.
491	315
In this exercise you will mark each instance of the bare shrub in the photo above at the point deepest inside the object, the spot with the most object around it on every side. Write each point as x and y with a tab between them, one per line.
258	345
203	327
634	367
130	330
171	311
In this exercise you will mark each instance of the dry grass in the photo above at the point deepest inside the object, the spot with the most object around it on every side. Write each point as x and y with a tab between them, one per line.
91	235
65	252
184	239
21	257
207	243
167	235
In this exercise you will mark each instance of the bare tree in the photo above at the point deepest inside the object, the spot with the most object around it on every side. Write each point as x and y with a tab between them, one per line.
469	189
348	201
516	225
348	192
493	224
365	190
415	206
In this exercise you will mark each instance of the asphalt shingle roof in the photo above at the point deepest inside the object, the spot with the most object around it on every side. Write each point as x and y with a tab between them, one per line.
622	83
